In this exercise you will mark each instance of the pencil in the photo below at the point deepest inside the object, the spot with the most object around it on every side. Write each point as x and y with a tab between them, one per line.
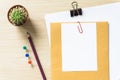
36	56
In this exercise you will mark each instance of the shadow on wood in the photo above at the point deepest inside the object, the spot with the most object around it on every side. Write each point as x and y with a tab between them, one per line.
28	27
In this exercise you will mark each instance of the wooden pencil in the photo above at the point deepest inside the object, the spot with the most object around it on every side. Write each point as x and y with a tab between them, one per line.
36	56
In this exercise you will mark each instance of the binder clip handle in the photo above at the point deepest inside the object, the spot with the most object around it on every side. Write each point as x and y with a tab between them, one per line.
74	5
76	11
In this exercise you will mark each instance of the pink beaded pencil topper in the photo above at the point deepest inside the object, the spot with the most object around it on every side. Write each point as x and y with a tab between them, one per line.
36	56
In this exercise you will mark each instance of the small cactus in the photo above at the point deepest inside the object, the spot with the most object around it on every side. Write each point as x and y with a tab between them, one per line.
17	15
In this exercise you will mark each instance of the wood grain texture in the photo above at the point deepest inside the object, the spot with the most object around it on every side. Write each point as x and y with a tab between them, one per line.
13	63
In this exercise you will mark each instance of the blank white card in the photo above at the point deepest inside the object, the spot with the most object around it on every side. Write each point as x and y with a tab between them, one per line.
79	50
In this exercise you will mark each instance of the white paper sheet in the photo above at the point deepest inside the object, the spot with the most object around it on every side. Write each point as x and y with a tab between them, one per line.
110	13
79	51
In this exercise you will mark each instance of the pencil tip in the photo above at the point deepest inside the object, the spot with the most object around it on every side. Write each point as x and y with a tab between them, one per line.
27	32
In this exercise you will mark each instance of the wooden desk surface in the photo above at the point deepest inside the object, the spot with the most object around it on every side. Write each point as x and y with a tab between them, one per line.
13	63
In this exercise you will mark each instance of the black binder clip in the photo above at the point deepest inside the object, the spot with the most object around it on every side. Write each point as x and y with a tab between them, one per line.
76	11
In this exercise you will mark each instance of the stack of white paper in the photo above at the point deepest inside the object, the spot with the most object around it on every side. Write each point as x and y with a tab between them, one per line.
110	13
